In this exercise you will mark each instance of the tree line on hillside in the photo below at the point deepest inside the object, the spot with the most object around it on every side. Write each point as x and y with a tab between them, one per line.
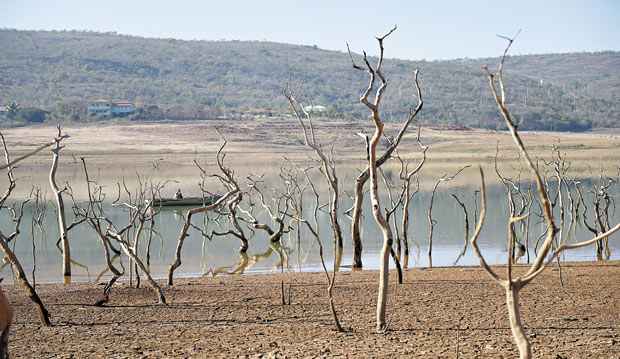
61	71
544	196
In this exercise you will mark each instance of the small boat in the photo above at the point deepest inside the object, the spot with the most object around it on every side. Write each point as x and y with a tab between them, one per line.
185	202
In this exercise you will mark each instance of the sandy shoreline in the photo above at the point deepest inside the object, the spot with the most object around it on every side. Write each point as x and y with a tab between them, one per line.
166	151
433	314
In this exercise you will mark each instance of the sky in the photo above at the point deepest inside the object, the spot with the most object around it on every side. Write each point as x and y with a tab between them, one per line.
430	29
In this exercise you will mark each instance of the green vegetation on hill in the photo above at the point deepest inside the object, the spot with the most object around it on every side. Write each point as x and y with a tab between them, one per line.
61	71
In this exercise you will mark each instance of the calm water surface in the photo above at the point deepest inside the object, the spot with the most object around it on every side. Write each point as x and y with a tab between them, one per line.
220	255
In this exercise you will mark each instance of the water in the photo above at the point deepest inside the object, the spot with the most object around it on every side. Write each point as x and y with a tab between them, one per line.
220	254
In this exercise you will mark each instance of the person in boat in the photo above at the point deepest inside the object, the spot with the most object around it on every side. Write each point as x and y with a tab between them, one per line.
178	195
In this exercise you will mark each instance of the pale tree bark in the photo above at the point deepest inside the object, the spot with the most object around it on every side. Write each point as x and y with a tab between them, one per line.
374	108
363	177
512	285
60	207
389	215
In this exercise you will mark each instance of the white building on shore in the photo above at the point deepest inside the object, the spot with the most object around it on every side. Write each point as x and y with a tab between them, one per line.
105	108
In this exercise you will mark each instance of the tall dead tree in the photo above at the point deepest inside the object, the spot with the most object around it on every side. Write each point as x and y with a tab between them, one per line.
60	206
513	284
375	75
363	177
328	168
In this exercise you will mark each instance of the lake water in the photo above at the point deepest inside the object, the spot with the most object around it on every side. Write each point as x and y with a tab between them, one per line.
220	254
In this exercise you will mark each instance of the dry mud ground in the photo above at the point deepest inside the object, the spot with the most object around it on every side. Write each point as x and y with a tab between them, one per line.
435	313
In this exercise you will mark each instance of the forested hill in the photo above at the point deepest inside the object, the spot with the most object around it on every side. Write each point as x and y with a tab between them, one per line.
61	72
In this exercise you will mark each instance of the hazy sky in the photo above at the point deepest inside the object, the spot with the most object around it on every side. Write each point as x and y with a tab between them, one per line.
430	29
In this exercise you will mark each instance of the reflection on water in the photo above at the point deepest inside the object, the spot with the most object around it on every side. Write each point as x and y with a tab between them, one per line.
220	255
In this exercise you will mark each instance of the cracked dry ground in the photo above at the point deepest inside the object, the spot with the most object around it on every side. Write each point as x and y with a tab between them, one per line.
435	313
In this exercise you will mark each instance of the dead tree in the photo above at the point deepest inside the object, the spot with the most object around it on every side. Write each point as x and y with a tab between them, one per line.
375	72
363	177
389	214
601	200
315	230
429	215
60	206
295	189
328	168
406	176
466	230
92	216
228	180
276	226
512	284
139	211
9	255
293	178
37	224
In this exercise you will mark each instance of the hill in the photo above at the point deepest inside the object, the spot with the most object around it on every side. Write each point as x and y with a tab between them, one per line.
61	71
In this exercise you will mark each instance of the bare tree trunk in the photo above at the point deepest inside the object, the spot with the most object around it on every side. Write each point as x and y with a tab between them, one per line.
20	278
431	226
148	243
130	253
62	223
357	219
336	230
512	285
107	289
514	317
373	73
466	231
405	227
365	175
331	280
406	177
188	220
229	182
